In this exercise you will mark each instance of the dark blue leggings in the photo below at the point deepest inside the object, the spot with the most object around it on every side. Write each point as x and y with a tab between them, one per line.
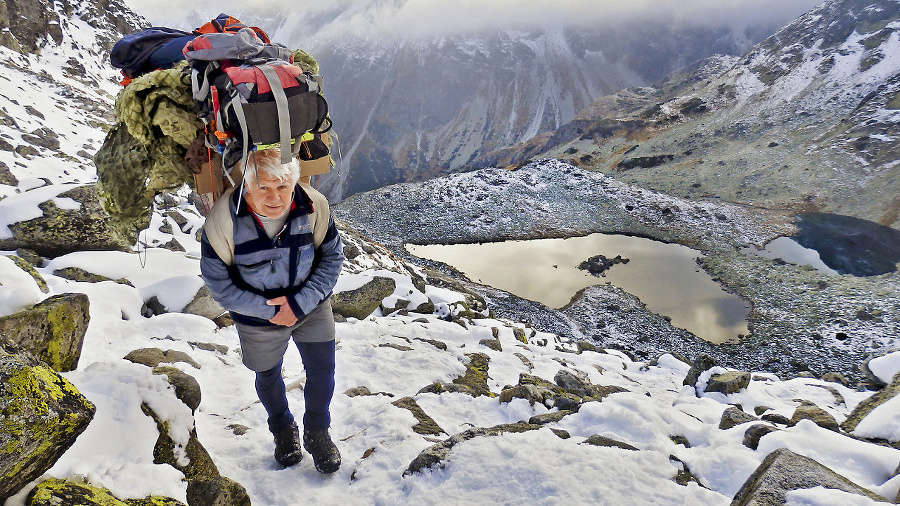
318	360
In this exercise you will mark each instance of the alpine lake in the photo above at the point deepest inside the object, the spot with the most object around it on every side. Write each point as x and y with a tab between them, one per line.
665	277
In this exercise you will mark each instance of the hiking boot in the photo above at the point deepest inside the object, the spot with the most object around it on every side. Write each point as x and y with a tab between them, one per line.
287	446
324	453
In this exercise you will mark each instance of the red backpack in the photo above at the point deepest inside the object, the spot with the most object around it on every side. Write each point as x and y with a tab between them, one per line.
250	95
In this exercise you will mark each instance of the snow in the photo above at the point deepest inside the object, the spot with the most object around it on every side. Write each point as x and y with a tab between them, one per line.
886	367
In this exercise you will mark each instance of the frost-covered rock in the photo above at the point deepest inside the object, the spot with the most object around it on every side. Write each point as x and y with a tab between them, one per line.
53	330
43	414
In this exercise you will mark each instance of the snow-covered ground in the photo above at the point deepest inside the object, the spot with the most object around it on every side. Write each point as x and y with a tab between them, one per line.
389	356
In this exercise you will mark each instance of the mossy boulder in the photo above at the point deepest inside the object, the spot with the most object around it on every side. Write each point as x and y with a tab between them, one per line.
41	415
60	231
476	376
56	492
817	415
52	330
734	416
360	303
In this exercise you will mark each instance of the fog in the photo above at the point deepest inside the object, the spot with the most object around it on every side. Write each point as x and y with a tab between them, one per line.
435	18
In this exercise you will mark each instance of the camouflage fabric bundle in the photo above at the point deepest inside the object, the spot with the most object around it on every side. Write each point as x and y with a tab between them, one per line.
145	153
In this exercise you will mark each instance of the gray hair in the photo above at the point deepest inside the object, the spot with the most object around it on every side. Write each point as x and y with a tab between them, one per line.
269	161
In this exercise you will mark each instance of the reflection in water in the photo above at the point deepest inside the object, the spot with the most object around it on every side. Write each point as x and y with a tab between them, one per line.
664	276
791	251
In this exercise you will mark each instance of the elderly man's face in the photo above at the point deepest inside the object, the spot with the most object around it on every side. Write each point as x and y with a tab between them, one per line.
269	196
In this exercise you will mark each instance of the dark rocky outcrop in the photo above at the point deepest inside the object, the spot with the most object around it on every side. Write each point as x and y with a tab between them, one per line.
42	415
702	363
52	330
783	471
60	231
360	303
56	492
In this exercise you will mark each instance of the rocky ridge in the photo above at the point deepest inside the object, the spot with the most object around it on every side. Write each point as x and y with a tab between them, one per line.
806	120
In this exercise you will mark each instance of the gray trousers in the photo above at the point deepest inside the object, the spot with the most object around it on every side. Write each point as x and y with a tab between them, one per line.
263	347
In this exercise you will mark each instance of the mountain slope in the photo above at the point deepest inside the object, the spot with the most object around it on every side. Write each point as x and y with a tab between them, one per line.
807	120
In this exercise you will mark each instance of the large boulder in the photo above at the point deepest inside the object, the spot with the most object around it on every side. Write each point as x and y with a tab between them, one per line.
42	415
204	305
783	471
52	331
360	303
64	230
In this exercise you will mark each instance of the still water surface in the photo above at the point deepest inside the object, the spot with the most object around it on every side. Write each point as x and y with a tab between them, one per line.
664	276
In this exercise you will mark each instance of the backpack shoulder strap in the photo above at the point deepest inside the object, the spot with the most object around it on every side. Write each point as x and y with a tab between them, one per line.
219	227
321	215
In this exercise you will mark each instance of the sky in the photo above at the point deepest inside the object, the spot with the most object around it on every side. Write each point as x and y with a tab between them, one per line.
444	17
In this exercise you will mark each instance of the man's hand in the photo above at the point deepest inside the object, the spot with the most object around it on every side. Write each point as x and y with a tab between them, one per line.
285	315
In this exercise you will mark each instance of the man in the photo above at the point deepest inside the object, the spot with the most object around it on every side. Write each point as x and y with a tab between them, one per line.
271	255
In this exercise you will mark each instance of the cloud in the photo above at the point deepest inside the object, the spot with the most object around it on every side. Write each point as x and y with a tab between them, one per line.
435	18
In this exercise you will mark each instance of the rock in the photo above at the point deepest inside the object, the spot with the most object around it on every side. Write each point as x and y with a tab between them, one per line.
426	426
530	393
30	256
776	418
204	305
809	411
867	405
684	475
836	377
56	492
79	274
783	471
475	378
700	364
6	177
733	417
474	301
357	391
437	344
597	265
598	440
52	331
221	349
494	342
730	382
186	386
519	334
579	384
753	434
28	267
61	231
152	357
205	485
42	137
360	303
434	455
551	417
42	415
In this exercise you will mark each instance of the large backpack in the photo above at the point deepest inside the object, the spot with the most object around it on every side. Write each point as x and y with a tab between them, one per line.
251	96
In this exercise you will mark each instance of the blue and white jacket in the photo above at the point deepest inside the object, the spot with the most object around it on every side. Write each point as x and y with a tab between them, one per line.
243	267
